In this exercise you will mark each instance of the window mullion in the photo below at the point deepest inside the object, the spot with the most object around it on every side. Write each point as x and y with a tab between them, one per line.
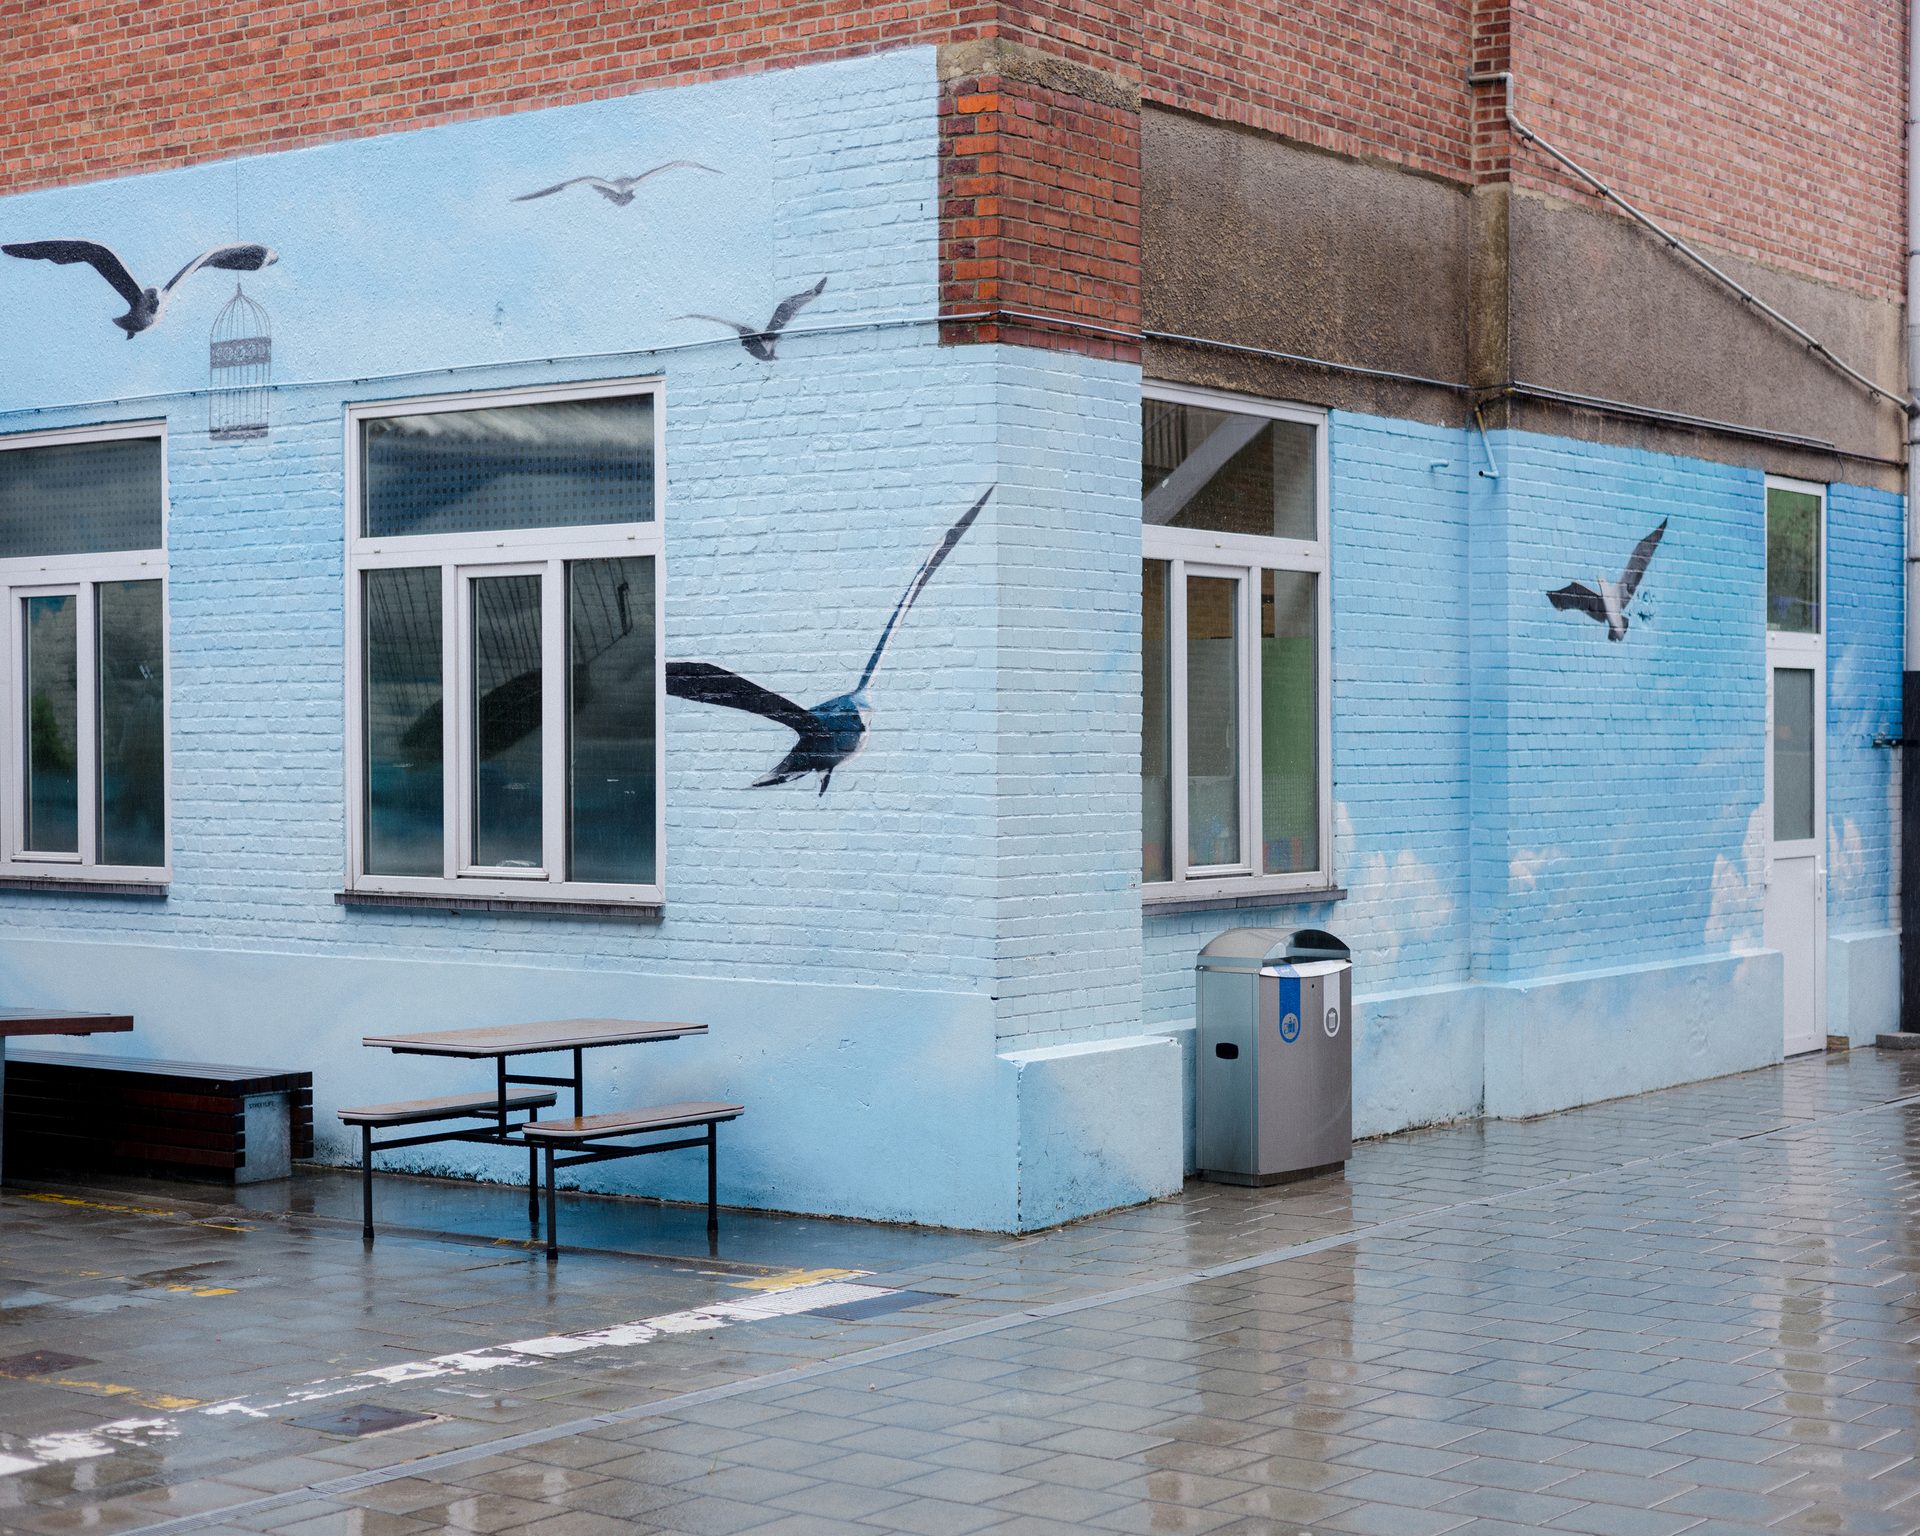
1177	716
555	691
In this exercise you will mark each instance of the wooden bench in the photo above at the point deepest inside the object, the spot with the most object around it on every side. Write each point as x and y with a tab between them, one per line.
450	1106
585	1133
125	1114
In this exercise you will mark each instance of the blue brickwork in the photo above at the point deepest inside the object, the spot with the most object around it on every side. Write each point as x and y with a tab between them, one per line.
1865	615
1628	772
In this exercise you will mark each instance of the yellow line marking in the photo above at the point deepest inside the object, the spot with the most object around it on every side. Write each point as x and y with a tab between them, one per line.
200	1290
163	1400
93	1205
787	1279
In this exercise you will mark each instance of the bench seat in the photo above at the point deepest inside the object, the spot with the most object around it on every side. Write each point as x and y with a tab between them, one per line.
591	1139
201	1119
632	1122
448	1106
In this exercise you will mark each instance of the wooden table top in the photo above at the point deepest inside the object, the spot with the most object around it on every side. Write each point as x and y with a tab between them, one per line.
526	1039
60	1021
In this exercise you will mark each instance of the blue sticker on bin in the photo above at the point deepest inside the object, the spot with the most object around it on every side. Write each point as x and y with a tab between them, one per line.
1289	1008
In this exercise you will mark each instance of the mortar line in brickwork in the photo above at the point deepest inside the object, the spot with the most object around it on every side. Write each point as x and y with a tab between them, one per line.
666	1407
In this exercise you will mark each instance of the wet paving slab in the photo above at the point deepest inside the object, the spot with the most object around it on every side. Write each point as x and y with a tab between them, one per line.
1689	1311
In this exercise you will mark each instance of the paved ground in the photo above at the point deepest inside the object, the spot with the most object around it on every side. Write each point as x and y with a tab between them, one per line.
1693	1311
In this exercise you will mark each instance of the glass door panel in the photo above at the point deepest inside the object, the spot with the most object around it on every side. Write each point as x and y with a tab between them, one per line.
1213	722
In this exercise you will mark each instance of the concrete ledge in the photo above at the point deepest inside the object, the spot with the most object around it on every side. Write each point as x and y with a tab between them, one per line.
1863	985
1567	1040
1100	1126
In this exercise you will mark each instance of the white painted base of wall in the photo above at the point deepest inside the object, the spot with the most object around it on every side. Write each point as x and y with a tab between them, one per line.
1863	985
1099	1127
1520	1048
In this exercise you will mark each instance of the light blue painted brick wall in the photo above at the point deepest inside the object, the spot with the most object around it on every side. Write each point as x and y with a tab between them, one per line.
801	498
1068	659
1629	773
1865	614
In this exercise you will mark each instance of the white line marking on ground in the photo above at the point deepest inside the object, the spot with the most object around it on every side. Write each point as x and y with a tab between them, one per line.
804	1296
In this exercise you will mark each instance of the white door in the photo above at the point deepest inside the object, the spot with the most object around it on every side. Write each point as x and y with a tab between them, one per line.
1796	811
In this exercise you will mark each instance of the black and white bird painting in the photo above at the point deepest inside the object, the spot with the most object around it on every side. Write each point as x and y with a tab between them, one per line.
144	305
760	341
830	733
1608	606
618	190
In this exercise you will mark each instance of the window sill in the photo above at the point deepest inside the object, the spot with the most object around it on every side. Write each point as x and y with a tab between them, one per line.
627	911
72	885
1170	906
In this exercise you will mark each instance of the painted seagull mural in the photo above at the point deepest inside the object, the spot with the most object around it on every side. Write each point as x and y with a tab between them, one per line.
1609	605
830	733
144	305
760	341
618	190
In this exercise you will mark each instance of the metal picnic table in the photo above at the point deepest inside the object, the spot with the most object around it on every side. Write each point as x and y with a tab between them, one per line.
499	1042
50	1021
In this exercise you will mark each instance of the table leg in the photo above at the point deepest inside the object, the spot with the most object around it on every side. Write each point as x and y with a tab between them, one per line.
533	1190
500	1088
713	1188
553	1234
366	1184
579	1085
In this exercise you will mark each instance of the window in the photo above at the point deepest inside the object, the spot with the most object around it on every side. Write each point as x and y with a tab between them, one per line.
83	572
503	603
1234	756
1796	516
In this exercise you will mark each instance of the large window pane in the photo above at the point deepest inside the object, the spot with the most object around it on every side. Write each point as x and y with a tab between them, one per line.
1793	561
1156	725
1227	472
404	708
565	463
1213	721
611	721
80	498
1793	724
51	629
506	722
133	733
1289	722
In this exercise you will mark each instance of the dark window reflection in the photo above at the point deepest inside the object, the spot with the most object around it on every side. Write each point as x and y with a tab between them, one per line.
610	732
52	725
506	722
133	810
405	774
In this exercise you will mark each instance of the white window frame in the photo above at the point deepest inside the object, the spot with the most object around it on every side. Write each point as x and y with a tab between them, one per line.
461	557
78	576
1199	552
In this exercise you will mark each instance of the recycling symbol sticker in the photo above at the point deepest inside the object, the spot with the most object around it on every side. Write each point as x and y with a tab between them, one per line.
1289	1027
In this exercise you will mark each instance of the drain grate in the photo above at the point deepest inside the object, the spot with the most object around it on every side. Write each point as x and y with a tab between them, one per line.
879	1306
362	1419
41	1362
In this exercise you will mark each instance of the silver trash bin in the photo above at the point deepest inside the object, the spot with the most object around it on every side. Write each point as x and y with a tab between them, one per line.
1274	1074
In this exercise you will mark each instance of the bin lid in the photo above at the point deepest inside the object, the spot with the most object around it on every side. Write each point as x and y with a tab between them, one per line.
1301	951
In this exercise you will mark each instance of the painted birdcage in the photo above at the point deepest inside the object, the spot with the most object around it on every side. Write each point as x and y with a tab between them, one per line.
239	370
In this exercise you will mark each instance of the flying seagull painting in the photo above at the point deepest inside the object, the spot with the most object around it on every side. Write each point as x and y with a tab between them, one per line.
1608	606
618	190
828	734
761	340
144	305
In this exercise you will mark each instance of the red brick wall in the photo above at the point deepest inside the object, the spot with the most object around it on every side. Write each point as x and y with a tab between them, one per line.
1773	128
1383	78
92	88
1039	214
